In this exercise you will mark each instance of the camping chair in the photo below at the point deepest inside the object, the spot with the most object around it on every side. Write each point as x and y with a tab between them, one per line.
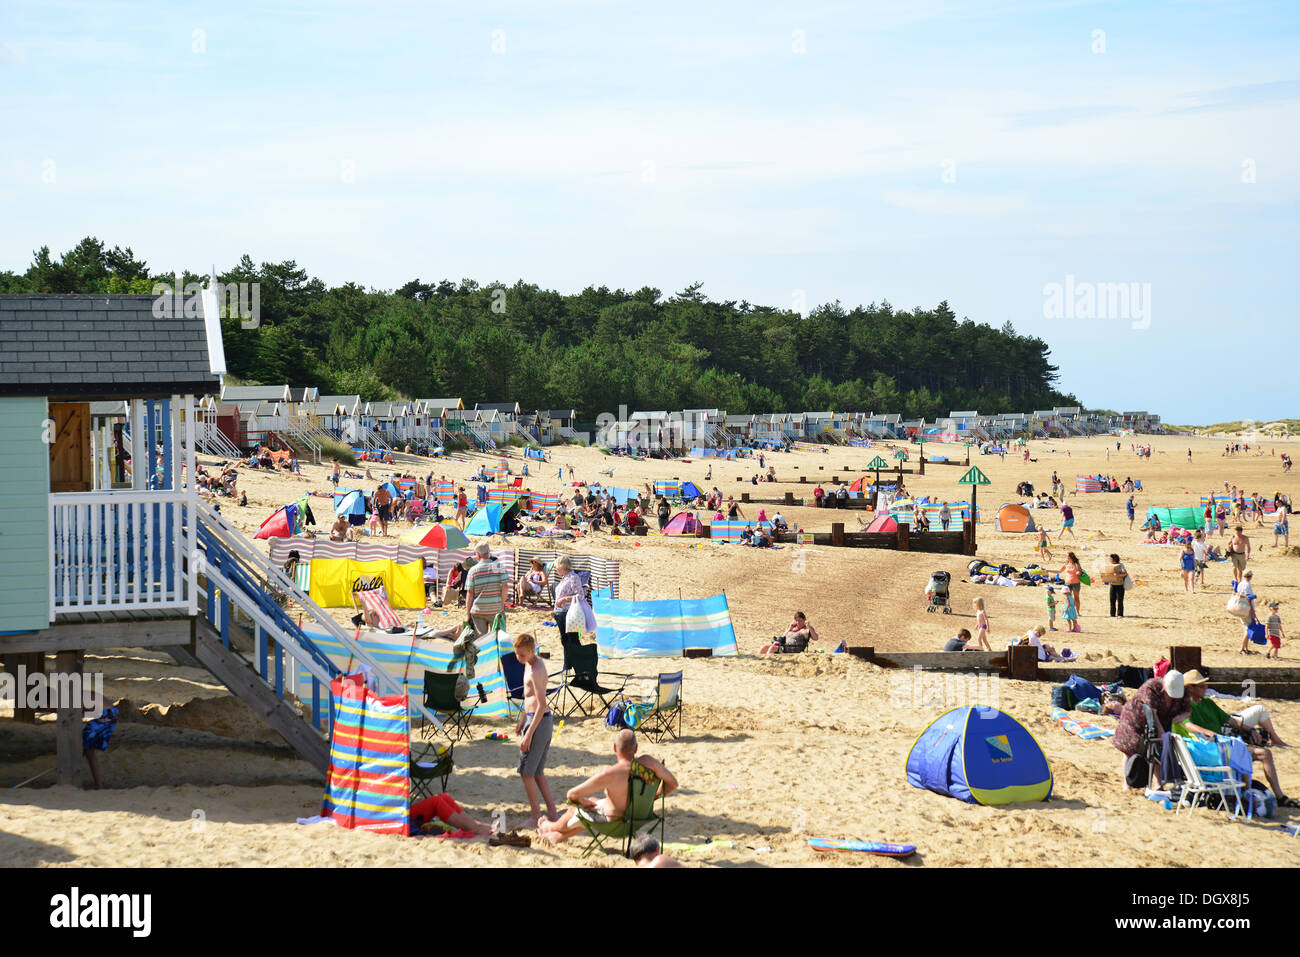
643	786
414	509
376	600
1206	780
581	686
518	482
432	762
664	720
440	698
513	671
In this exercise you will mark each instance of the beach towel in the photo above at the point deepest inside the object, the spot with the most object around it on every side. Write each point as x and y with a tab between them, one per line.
1080	728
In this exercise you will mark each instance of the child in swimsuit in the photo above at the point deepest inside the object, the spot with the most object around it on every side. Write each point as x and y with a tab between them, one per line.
1187	562
982	625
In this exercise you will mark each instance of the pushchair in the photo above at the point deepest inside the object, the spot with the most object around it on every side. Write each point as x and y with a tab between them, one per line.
936	592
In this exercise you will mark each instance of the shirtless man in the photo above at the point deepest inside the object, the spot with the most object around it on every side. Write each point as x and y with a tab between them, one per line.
535	726
613	780
1238	553
384	506
339	530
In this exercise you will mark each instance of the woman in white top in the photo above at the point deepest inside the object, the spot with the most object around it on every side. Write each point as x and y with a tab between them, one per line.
1034	636
566	592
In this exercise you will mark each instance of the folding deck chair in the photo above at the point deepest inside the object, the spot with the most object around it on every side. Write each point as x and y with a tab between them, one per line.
431	762
664	720
643	786
1207	773
513	671
440	698
581	688
376	600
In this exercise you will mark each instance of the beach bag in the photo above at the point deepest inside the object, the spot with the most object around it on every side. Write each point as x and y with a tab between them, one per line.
1263	803
1128	580
1131	677
1090	705
634	714
1137	773
1257	633
1082	688
1062	698
1238	606
574	620
614	716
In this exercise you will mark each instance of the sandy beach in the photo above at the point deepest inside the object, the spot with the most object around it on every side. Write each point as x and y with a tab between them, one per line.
774	750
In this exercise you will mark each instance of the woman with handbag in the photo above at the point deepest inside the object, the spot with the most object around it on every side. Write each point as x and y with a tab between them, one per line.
1251	619
568	591
1116	575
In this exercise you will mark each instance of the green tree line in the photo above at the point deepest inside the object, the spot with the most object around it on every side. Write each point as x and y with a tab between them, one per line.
591	350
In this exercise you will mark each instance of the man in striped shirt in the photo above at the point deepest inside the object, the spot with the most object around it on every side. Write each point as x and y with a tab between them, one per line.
485	589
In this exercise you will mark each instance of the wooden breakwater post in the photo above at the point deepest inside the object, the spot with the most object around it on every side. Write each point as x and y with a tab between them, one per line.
1022	662
1185	658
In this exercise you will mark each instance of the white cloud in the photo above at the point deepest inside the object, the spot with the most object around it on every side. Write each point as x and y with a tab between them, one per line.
949	202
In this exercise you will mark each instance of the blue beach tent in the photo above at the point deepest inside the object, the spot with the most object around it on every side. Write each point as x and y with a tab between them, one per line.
979	755
690	491
351	504
486	521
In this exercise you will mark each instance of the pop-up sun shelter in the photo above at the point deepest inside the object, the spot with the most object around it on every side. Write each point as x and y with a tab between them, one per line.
683	523
979	755
351	504
883	523
690	492
492	518
1184	517
280	524
1014	518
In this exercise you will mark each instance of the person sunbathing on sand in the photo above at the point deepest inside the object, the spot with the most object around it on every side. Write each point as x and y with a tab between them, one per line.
613	781
443	807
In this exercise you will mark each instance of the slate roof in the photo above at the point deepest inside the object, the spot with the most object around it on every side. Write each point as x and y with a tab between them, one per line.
100	347
254	393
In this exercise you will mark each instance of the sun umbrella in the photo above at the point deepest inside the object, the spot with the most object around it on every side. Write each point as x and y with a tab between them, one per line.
436	536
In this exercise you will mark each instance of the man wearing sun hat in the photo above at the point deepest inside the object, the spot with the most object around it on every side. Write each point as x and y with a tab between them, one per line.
1208	719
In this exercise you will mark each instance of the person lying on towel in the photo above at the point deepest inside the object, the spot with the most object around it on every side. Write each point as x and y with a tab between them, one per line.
443	807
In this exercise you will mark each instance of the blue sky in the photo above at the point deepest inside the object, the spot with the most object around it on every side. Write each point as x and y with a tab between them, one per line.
900	151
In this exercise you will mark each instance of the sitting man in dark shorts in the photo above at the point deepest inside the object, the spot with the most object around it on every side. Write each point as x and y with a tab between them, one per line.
613	781
794	640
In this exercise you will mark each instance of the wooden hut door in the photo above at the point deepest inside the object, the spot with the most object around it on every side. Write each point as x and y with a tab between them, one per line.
70	466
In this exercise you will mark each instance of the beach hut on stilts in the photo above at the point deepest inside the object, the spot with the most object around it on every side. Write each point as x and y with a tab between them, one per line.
107	544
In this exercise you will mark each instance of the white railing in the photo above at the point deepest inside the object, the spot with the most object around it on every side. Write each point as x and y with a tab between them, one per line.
120	551
212	441
317	618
